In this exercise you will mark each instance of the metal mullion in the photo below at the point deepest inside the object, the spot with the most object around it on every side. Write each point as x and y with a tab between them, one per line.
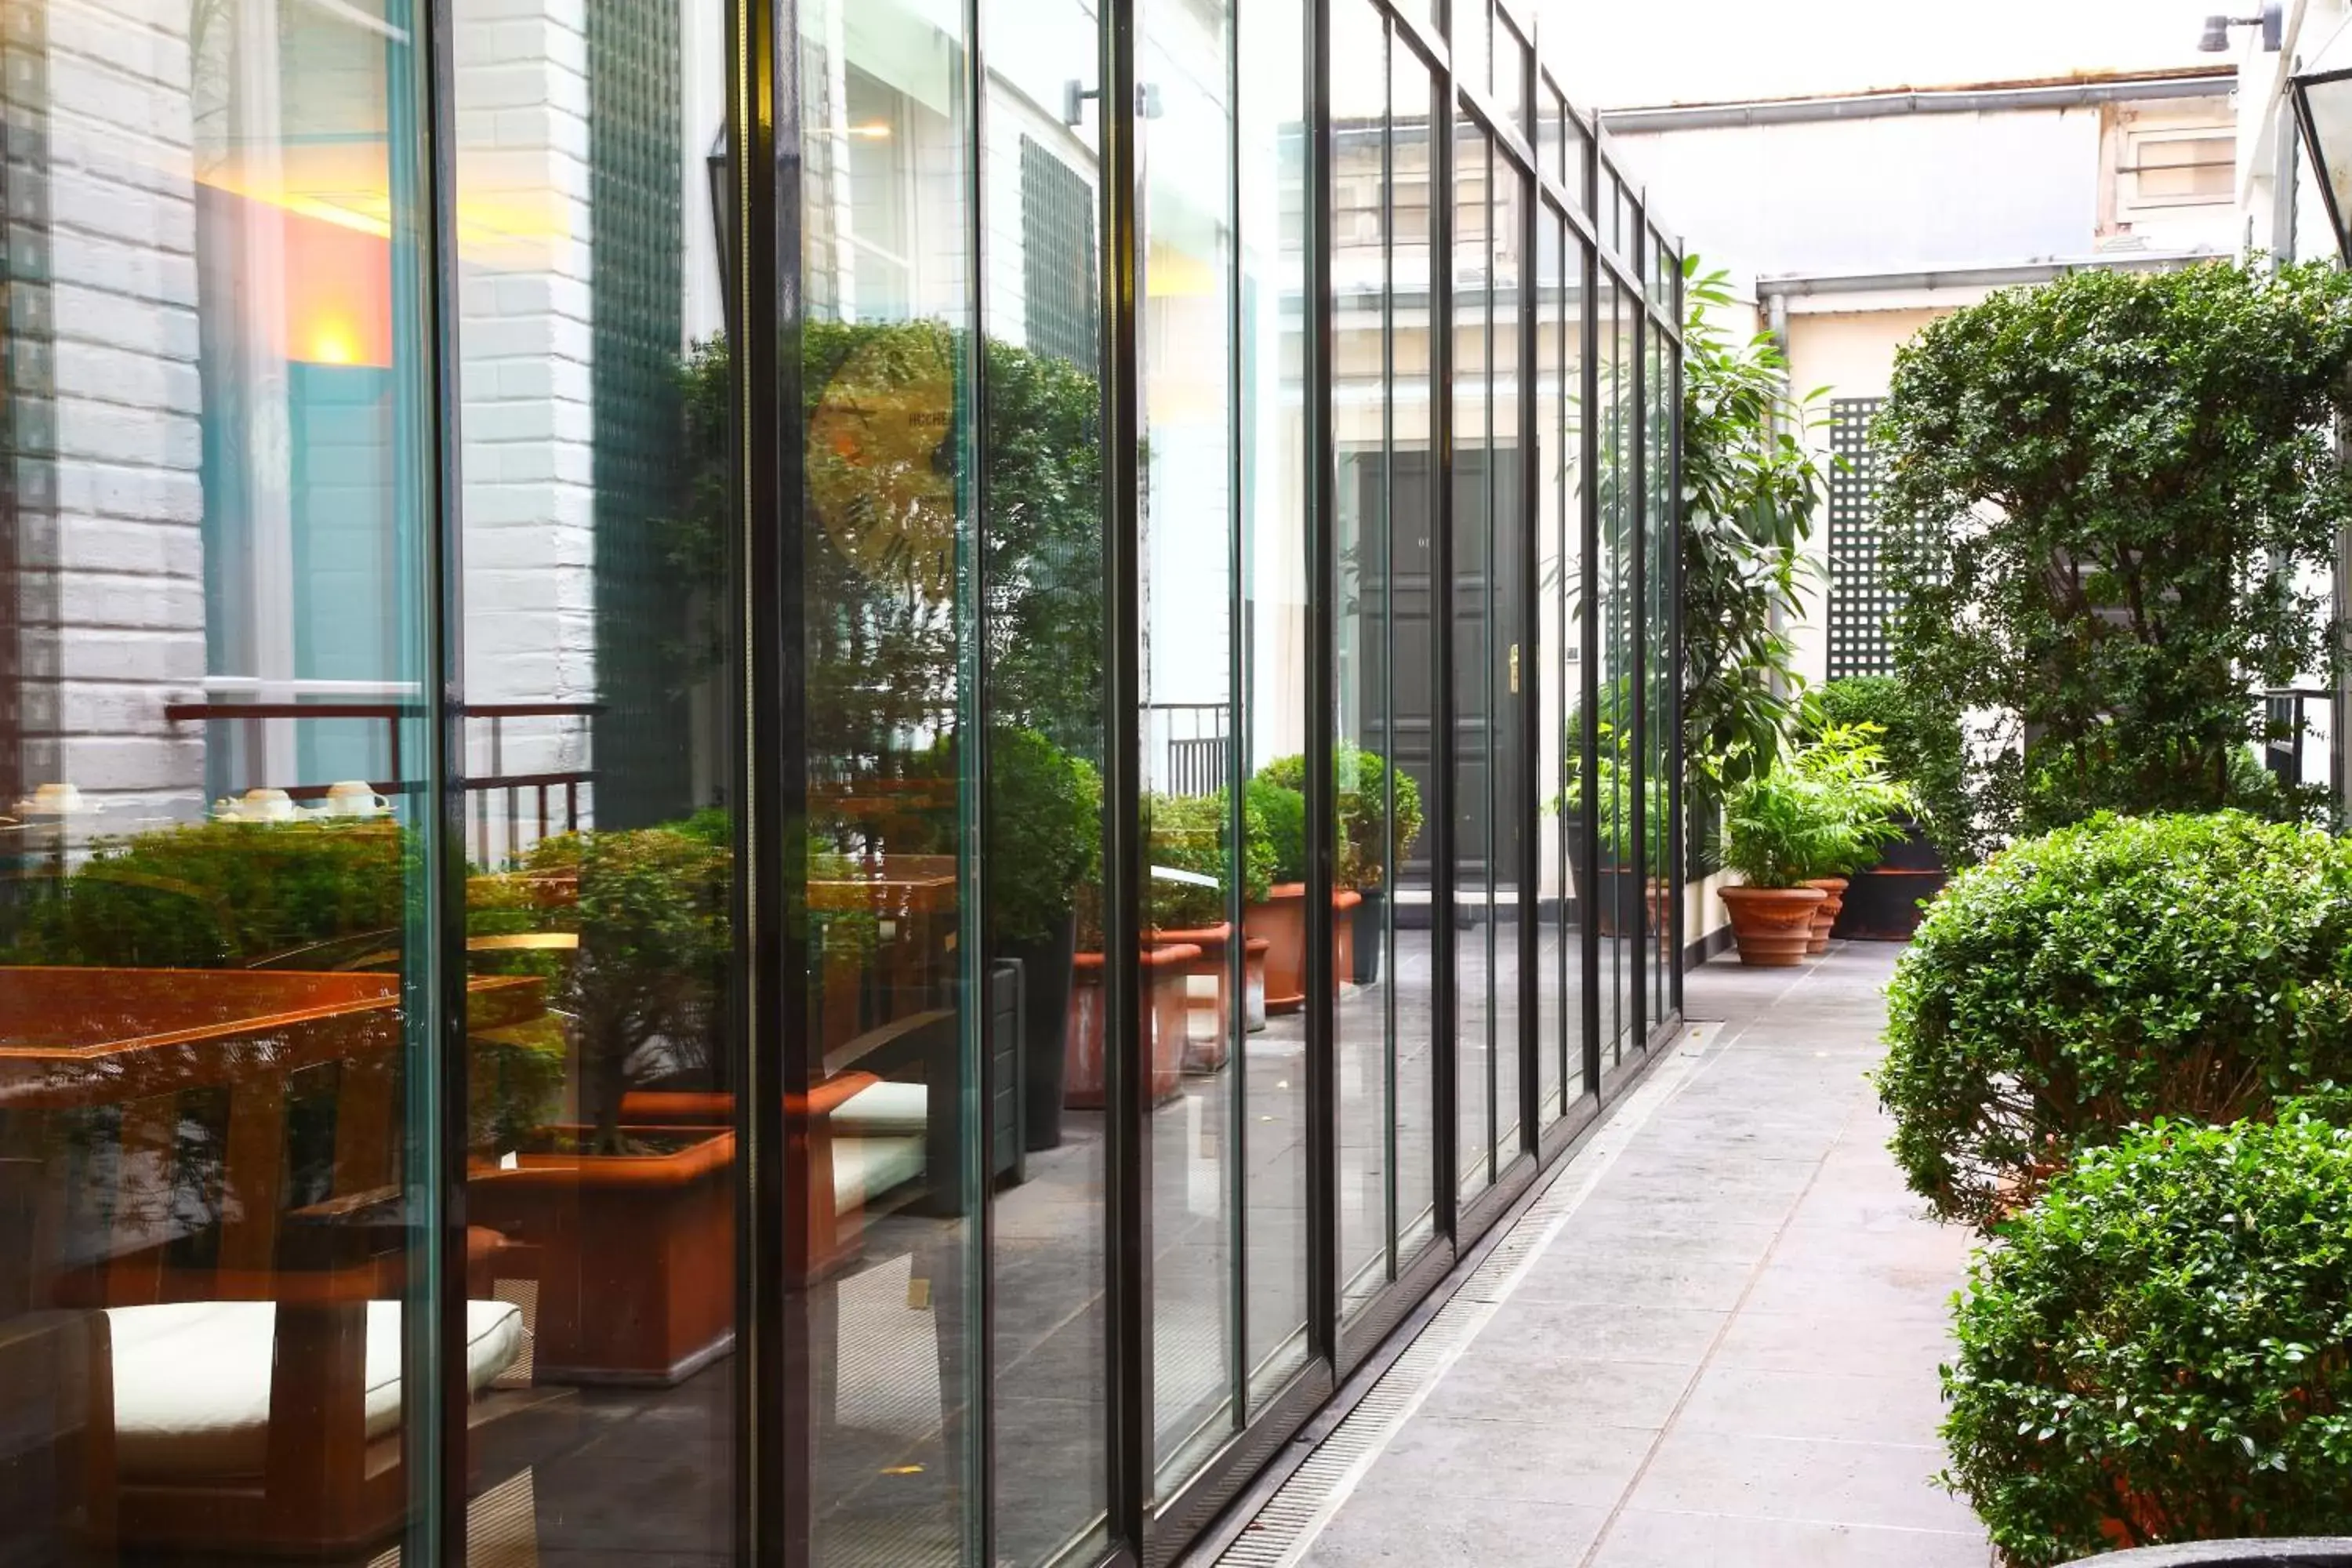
1387	638
1486	699
1424	39
1236	1133
1322	803
978	1109
1676	803
1445	1054
1127	1127
1588	633
1496	121
775	1419
435	1112
1638	518
1531	686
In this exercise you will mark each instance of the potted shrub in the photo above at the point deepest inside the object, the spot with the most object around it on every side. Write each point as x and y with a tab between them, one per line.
1371	842
633	1227
1279	919
1044	843
1925	746
1847	761
1190	861
1780	829
2155	1351
1165	969
1626	873
2123	969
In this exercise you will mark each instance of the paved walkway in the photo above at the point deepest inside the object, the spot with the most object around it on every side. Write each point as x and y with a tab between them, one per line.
1726	1357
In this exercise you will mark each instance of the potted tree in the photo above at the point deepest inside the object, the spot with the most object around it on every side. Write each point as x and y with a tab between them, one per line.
1191	891
1925	740
1372	841
1780	829
638	1222
1165	969
1280	916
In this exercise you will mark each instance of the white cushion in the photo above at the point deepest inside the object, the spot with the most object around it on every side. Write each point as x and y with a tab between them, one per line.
866	1168
884	1110
192	1380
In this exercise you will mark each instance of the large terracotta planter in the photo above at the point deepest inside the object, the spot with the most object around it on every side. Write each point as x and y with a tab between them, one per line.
1281	920
1253	952
1164	971
1343	936
1210	1017
1774	926
1833	901
635	1255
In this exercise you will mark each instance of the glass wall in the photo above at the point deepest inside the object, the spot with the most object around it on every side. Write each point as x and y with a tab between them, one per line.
587	677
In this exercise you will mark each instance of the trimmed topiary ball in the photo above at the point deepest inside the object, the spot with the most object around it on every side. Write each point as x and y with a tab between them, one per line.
2110	973
2157	1348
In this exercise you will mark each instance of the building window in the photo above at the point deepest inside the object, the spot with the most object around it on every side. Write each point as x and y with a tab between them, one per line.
2179	168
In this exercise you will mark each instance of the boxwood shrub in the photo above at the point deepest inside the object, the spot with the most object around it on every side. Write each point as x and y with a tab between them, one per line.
2160	1348
2108	973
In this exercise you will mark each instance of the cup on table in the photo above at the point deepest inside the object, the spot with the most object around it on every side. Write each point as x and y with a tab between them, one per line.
355	797
266	805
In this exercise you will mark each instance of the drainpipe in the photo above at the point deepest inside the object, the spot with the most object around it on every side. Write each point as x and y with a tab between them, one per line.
1776	321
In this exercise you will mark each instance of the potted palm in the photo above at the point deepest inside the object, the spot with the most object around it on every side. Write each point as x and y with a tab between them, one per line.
1848	761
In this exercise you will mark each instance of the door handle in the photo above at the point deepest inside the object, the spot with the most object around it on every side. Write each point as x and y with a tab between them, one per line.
1515	669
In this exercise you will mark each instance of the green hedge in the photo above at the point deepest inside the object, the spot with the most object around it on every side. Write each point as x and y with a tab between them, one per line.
2162	1348
2119	970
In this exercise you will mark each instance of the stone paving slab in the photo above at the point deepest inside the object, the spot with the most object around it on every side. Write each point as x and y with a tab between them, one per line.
1725	1358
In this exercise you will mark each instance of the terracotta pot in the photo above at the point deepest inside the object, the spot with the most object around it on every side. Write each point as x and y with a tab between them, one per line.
1833	901
1282	922
1164	974
1343	936
1254	950
1773	925
1210	1012
636	1255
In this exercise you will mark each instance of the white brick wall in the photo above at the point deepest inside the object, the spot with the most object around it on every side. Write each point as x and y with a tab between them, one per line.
525	349
118	621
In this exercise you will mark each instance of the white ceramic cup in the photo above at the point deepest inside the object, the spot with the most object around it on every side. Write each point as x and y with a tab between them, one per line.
55	799
267	805
355	797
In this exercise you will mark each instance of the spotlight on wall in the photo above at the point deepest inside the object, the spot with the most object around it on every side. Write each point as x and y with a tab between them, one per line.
2215	39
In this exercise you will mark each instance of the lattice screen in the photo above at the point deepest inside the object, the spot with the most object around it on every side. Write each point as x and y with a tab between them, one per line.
1860	605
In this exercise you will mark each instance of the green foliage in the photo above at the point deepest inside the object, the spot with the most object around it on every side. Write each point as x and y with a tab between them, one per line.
1751	493
1926	746
651	911
1783	827
1195	833
1045	826
1847	761
1369	842
224	894
2119	970
2160	1348
1616	808
1282	810
2109	500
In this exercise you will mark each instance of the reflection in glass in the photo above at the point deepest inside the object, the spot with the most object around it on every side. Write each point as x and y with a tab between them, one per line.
1200	1093
1043	571
213	821
1380	809
1476	652
1615	898
1274	498
1555	992
1508	647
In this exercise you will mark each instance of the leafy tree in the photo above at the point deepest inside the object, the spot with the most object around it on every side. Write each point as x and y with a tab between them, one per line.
2108	498
1926	744
1751	491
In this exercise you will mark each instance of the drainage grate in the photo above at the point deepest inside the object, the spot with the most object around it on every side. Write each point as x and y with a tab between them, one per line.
1279	1533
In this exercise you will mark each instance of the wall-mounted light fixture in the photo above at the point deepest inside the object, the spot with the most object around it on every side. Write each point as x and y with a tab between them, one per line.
2215	39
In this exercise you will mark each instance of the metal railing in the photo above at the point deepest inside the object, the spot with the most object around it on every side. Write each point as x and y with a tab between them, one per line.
1192	741
509	813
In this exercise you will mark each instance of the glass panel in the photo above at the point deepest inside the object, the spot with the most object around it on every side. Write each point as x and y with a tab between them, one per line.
1406	735
1475	654
1551	112
1576	676
1274	631
1612	899
1196	1083
1511	61
1577	150
900	997
1043	567
1474	39
597	405
1363	433
1551	668
213	714
1658	540
1509	637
